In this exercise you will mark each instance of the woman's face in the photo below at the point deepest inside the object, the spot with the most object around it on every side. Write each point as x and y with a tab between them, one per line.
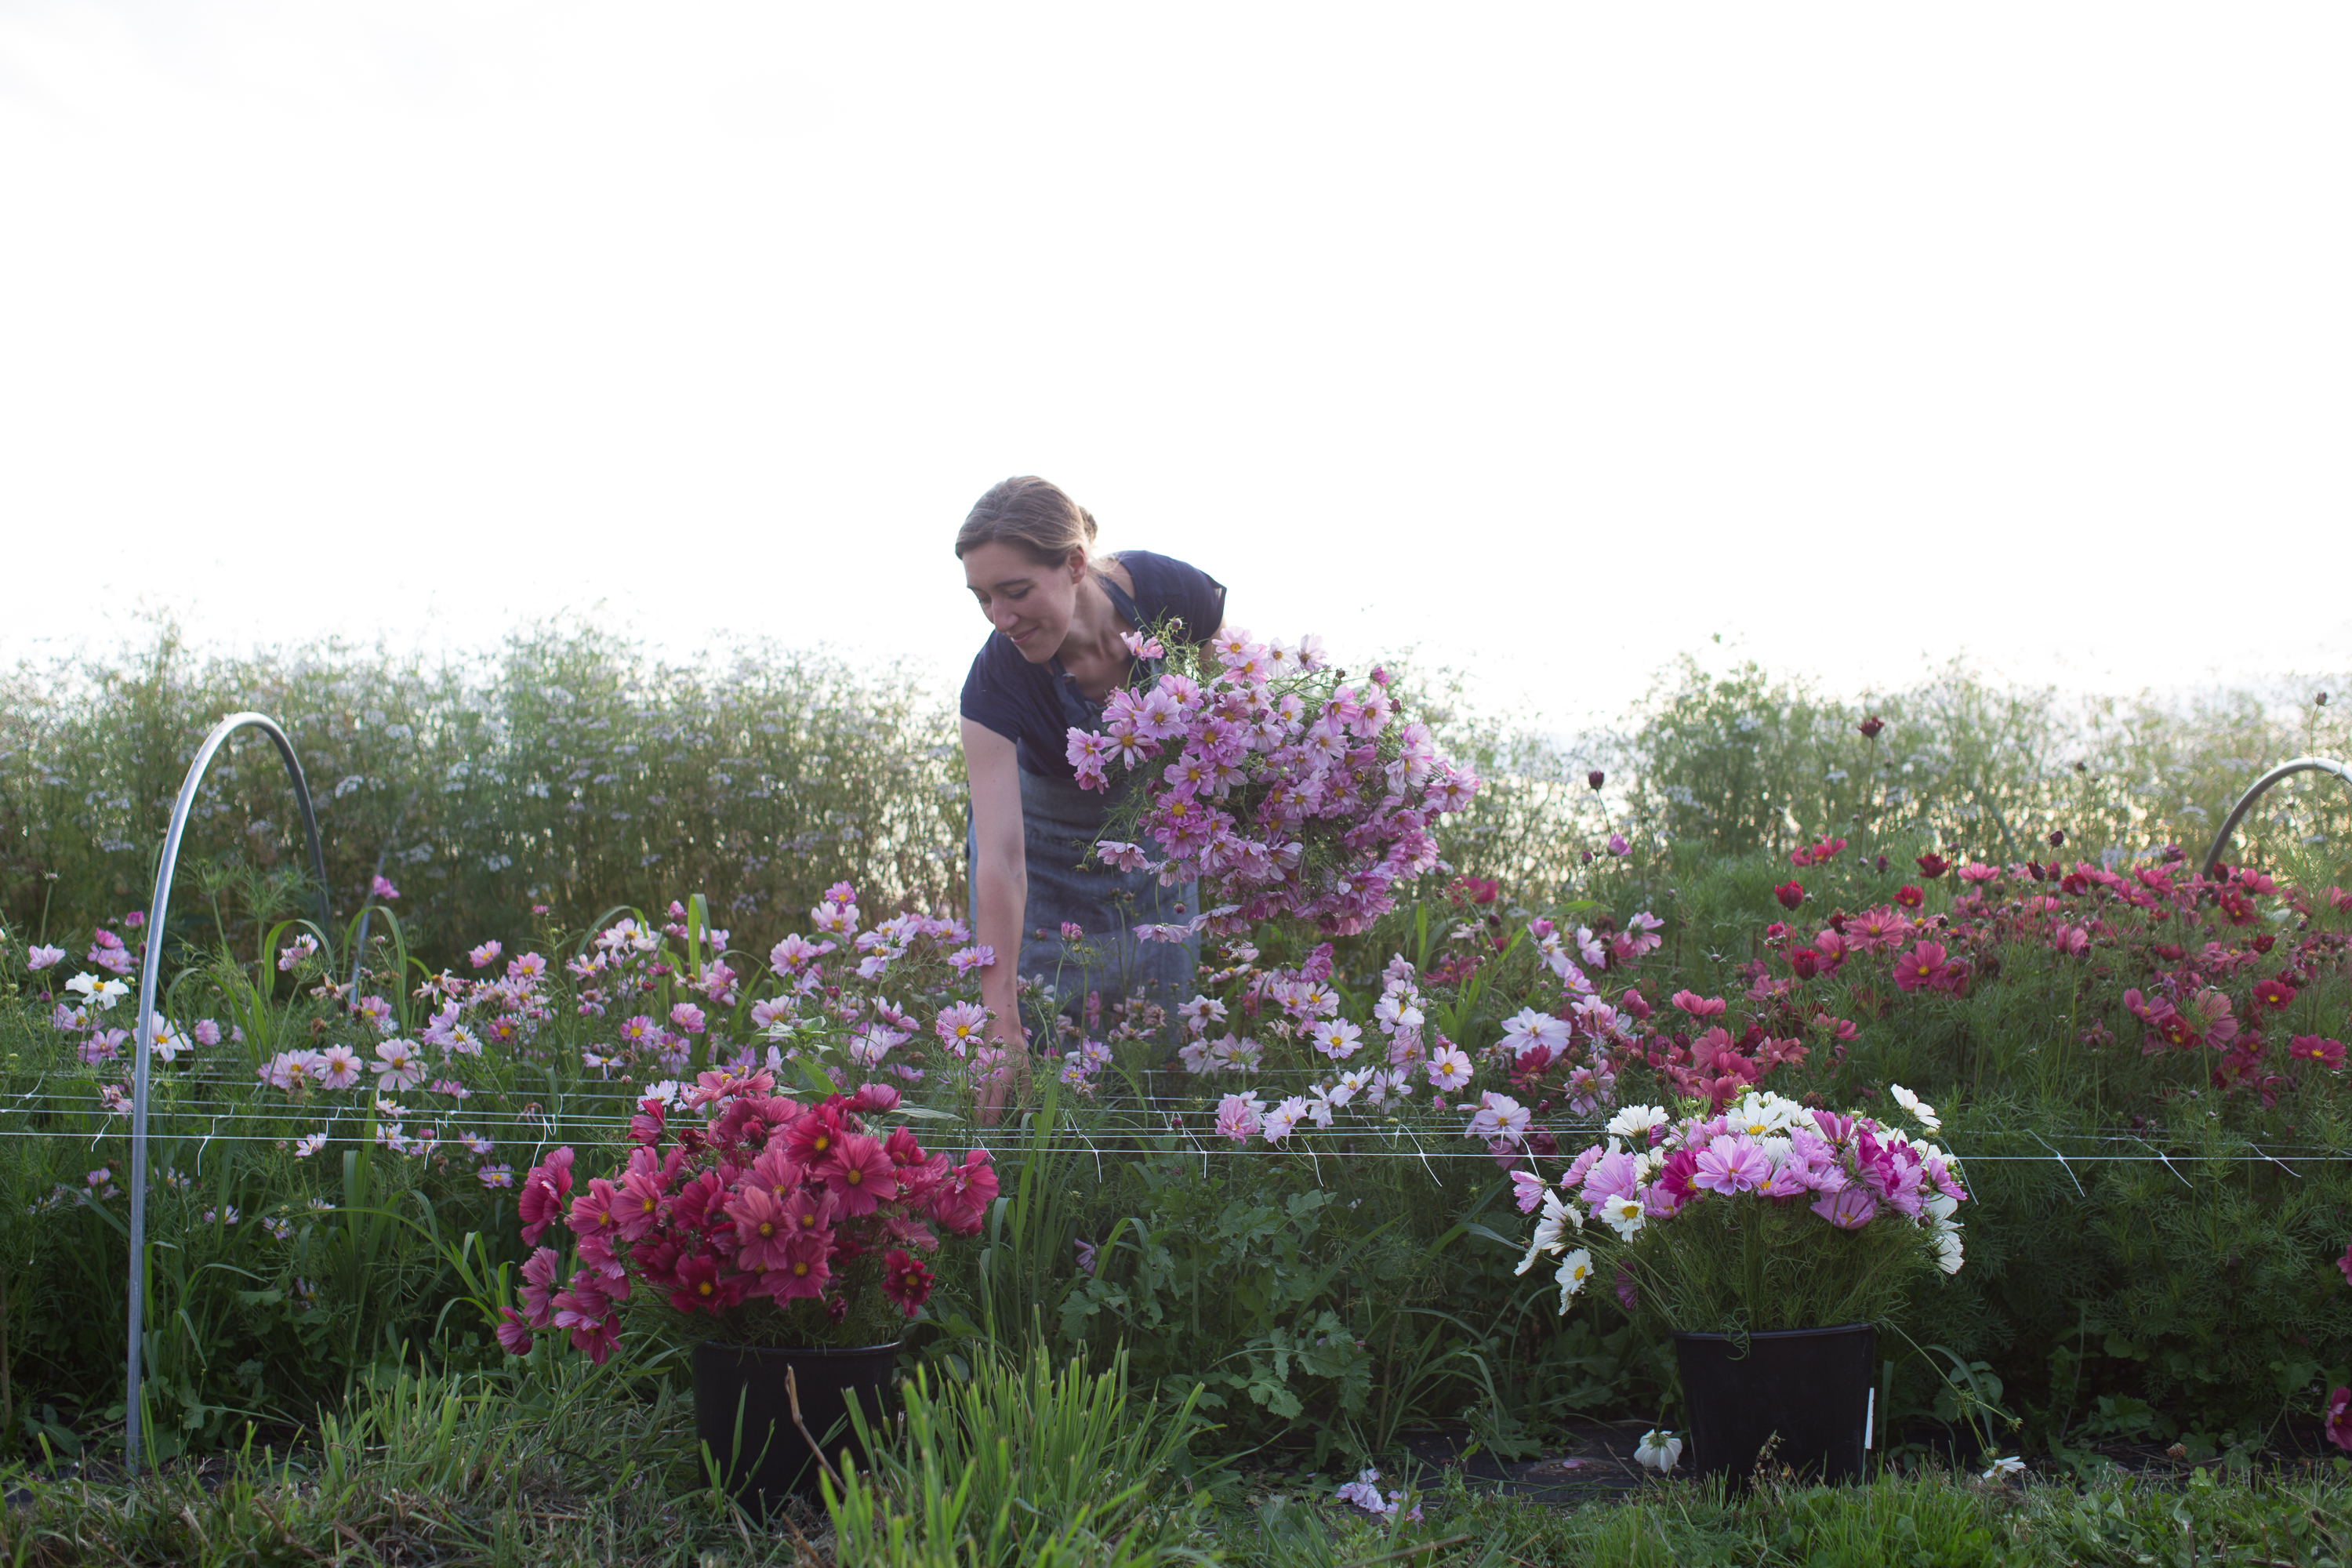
1030	604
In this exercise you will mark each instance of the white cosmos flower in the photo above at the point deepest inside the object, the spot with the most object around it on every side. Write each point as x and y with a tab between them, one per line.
97	990
1574	1270
1921	1112
1551	1230
1625	1215
1947	1249
2003	1468
1658	1450
1635	1121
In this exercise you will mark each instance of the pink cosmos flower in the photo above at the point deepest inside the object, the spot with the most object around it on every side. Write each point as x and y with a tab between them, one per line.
1240	1116
1613	1176
382	888
512	1335
486	954
1849	1207
806	1269
1698	1006
2343	1264
207	1033
539	1287
2339	1418
1500	1116
965	960
43	957
1529	1190
1923	965
1729	1165
859	1173
905	1281
688	1018
762	1229
2323	1053
545	1186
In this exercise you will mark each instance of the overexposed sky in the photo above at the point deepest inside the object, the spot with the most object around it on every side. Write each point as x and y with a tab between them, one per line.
1550	340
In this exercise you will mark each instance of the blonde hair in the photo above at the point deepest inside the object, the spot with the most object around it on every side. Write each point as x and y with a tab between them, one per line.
1032	514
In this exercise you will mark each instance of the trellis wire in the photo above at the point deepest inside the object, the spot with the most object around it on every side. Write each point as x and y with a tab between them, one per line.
158	912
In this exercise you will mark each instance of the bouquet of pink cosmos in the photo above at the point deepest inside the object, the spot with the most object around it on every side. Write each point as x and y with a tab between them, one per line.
1278	786
787	1224
1762	1215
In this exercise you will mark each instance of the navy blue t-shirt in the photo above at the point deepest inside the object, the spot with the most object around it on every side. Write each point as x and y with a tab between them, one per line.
1034	705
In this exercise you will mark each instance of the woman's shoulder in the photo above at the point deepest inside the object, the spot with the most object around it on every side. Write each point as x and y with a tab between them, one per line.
1167	586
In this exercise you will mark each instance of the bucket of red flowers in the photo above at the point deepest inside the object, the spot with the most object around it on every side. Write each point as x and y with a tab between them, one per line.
788	1232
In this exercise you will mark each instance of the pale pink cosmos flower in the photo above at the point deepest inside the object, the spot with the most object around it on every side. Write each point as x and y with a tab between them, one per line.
1284	1117
43	957
1240	1116
1337	1039
337	1066
1500	1116
382	888
1849	1208
1729	1165
965	960
1449	1068
402	1064
486	954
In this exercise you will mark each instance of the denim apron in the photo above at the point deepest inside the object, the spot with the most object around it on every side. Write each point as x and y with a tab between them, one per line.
1070	885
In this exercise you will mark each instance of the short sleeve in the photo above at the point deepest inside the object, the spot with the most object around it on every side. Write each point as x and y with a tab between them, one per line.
986	700
1168	587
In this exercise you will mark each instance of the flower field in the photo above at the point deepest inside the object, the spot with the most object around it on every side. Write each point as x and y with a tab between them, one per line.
709	1048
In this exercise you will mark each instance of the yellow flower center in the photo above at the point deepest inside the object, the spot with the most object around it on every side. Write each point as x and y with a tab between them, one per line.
704	1288
856	1176
767	1227
799	1268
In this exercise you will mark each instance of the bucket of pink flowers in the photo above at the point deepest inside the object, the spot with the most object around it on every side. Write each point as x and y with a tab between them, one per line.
786	1232
1771	1239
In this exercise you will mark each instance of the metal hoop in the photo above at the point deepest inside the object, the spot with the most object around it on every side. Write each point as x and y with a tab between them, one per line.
143	1047
2246	801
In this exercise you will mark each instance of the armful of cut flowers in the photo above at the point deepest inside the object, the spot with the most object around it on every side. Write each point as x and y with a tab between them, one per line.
1763	1215
1281	788
788	1222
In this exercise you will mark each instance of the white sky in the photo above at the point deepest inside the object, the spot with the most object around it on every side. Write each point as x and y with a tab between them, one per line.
1549	339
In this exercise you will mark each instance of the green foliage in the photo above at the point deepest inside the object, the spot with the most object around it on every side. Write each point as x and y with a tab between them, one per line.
1751	1268
1742	761
569	768
1022	1462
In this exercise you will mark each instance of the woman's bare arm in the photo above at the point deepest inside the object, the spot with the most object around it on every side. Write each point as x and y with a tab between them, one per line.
1000	872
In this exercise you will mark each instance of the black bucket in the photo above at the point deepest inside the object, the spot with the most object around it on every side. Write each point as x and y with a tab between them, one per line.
740	1389
1809	1387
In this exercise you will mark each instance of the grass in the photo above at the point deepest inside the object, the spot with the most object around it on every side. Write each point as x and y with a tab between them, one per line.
1031	1463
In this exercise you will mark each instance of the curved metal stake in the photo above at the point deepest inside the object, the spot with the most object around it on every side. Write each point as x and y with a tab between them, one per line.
2246	801
142	1045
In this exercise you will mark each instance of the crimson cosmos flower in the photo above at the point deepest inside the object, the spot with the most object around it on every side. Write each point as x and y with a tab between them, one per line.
1932	865
1791	894
1871	726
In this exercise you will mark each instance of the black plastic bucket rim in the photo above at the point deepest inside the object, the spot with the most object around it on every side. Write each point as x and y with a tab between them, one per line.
1703	1335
